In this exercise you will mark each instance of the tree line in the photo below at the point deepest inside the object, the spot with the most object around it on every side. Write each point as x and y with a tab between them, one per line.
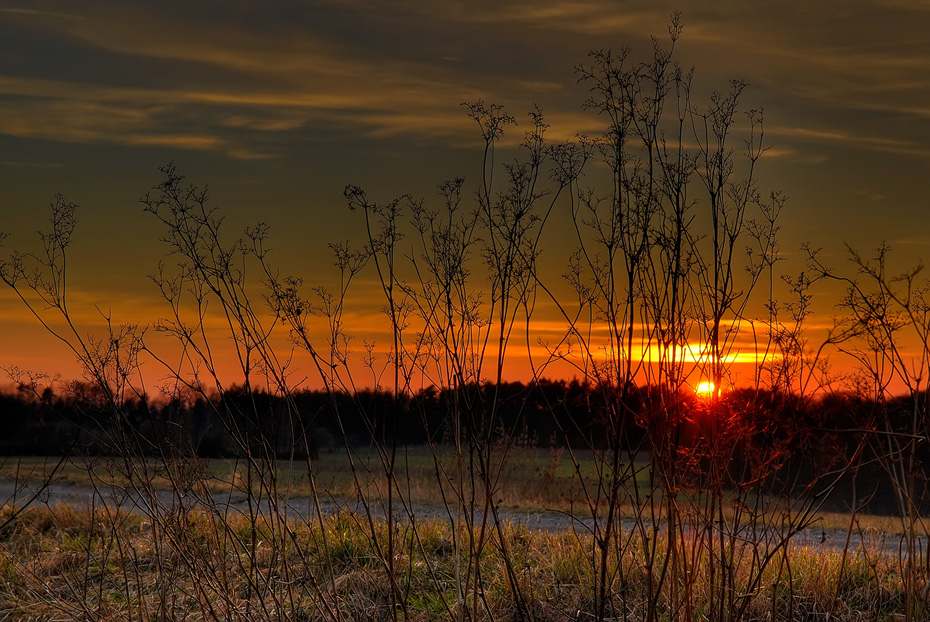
817	436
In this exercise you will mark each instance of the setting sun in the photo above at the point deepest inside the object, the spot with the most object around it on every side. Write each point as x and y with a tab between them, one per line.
705	389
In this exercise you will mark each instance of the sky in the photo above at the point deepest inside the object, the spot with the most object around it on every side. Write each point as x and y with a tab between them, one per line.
277	105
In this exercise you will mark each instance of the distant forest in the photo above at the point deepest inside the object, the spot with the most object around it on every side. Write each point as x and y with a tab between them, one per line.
819	435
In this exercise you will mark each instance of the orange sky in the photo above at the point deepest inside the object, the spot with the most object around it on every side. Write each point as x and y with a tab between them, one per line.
278	108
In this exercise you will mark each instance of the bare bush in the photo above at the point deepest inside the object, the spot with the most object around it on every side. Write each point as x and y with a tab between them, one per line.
682	506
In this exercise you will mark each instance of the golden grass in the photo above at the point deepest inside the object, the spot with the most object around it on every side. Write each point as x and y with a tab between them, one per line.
74	563
189	561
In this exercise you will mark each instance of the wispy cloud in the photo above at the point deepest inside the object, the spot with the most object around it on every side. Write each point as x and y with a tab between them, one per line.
269	84
860	140
304	66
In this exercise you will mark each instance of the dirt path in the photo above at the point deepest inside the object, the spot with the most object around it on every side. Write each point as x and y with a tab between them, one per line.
55	495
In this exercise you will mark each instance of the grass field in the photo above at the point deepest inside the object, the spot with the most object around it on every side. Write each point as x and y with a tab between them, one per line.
194	562
71	563
531	479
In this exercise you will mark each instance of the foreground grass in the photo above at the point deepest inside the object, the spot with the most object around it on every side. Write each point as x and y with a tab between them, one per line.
76	563
187	561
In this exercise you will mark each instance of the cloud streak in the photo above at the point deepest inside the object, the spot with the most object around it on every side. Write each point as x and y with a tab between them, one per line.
213	83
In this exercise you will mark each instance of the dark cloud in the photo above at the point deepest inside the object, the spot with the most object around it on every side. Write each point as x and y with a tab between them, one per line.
195	75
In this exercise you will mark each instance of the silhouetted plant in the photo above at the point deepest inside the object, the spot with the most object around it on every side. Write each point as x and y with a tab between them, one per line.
681	507
887	333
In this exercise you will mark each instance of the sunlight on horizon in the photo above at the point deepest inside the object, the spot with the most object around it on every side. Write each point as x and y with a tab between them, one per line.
705	389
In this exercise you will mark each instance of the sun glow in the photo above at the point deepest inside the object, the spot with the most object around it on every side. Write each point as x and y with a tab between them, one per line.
705	389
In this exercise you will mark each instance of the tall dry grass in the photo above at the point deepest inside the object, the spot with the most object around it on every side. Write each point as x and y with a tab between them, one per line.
78	563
